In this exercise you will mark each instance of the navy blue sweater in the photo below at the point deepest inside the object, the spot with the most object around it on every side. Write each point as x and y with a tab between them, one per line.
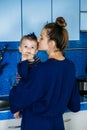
48	91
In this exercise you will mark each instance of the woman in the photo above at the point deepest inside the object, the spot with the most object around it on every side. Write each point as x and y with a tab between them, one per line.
51	87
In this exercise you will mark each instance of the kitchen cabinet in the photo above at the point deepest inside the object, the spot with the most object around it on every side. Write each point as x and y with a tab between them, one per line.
10	124
83	5
83	15
75	121
7	122
10	20
69	9
20	17
35	15
83	26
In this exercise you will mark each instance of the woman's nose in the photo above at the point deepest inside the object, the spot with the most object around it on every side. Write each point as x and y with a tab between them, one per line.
38	39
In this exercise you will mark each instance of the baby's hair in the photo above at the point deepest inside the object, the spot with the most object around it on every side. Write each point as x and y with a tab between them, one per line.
30	36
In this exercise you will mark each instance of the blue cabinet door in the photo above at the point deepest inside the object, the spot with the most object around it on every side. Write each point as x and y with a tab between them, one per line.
69	9
10	20
35	15
83	14
83	25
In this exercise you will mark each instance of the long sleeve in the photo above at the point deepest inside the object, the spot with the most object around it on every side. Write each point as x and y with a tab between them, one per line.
74	101
25	66
23	69
23	95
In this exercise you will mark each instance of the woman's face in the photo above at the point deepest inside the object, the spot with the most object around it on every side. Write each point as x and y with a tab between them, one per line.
43	41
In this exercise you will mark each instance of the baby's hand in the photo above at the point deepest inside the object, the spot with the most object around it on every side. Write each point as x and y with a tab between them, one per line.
17	115
29	57
24	57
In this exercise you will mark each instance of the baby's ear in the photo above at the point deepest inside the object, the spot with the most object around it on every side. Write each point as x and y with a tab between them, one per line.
19	49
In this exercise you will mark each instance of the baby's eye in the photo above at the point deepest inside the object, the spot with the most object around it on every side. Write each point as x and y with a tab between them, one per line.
32	47
25	46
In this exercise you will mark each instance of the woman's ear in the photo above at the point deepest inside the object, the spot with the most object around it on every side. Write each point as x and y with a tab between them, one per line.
19	49
52	44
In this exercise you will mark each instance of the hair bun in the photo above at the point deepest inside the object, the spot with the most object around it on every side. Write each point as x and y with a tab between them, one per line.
60	21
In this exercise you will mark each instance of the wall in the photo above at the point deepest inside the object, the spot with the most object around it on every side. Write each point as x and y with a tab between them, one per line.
8	66
77	52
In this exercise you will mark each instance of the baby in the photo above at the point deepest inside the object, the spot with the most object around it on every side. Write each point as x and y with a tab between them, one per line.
29	53
28	48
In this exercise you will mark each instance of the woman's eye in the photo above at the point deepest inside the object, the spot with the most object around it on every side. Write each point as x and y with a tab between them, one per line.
41	38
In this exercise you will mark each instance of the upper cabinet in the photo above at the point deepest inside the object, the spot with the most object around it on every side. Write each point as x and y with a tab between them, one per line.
10	20
69	9
35	15
83	15
83	5
20	17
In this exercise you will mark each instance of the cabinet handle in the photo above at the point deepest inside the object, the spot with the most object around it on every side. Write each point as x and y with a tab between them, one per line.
67	120
14	127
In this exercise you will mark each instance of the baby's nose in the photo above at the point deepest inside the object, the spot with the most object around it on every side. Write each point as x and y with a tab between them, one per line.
28	49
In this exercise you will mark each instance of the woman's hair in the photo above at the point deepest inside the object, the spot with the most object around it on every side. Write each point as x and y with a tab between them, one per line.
57	32
30	37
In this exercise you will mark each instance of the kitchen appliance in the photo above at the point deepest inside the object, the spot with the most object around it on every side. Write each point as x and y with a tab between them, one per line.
82	84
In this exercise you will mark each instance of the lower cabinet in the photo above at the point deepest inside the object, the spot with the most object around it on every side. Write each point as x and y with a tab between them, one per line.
72	121
11	124
75	121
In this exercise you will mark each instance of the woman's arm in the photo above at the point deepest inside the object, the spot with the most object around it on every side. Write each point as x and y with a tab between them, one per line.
74	102
23	95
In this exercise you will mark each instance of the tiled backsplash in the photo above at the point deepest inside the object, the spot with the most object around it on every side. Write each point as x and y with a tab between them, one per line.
77	52
8	72
79	57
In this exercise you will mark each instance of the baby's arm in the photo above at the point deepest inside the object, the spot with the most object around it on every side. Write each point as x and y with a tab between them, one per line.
25	65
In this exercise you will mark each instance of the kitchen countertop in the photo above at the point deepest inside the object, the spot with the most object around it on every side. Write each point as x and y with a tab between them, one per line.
83	99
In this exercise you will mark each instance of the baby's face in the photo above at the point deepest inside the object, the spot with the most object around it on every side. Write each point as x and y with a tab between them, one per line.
28	46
